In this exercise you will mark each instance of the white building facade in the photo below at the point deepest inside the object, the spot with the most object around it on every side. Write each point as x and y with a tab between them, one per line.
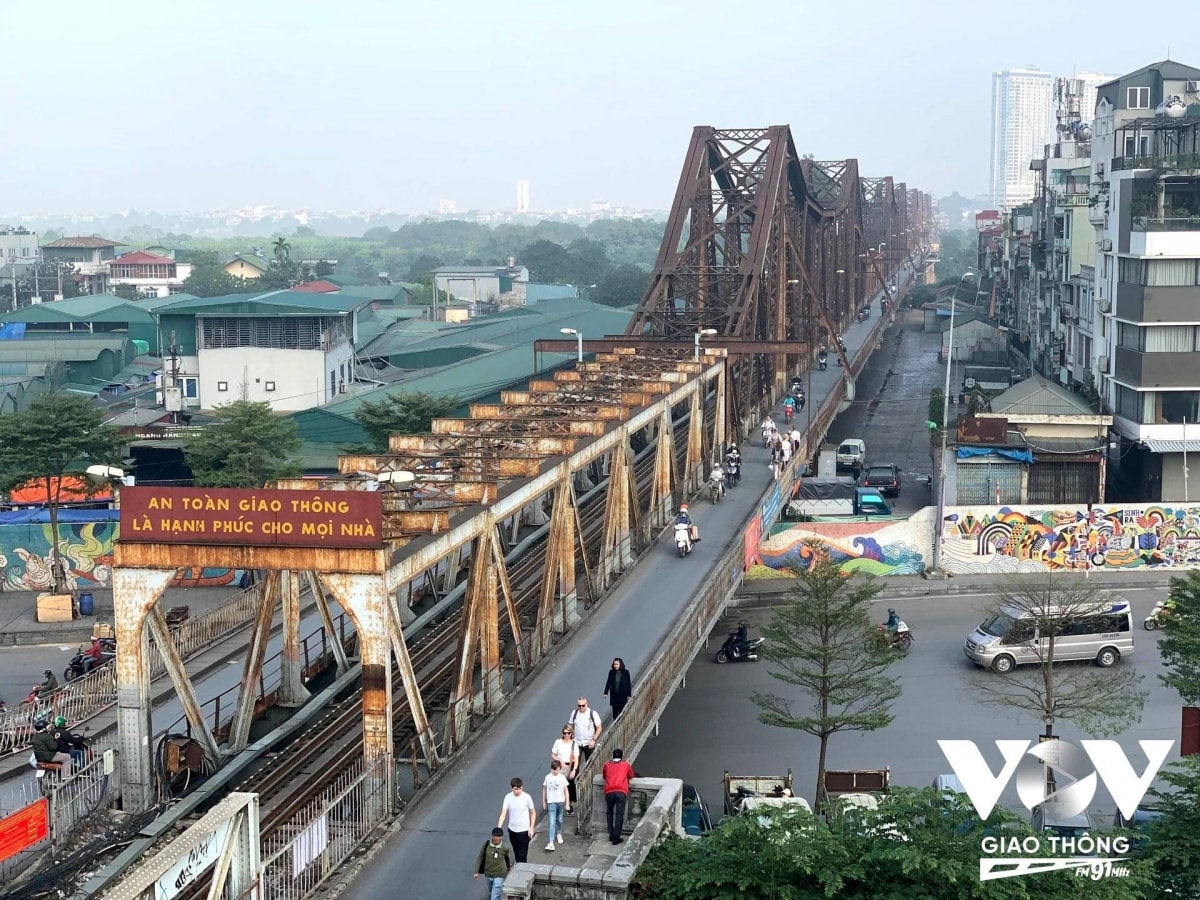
1021	115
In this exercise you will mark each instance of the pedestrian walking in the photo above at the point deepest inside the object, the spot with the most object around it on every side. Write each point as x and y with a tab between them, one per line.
796	438
619	687
617	772
493	862
519	810
566	751
585	722
554	799
786	450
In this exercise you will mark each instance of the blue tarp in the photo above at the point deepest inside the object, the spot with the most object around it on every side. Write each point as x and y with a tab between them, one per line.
1024	456
12	331
72	516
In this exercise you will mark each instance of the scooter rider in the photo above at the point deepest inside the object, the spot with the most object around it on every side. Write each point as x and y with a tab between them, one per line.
45	747
717	477
93	655
823	358
49	683
69	743
893	622
684	519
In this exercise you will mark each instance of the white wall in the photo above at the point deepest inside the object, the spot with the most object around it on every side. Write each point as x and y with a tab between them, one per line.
301	378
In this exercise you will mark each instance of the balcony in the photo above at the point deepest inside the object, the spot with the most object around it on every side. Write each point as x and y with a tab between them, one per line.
1136	303
1177	163
1166	223
1150	370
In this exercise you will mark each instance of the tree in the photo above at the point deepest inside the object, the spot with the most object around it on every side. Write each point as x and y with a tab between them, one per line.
1179	646
405	413
57	433
422	268
621	286
304	231
246	447
1101	702
213	281
379	234
126	291
591	262
548	262
282	250
323	269
919	843
1173	846
822	641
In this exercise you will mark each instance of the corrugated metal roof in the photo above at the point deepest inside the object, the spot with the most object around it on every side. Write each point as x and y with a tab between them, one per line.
1052	445
89	307
254	262
267	303
1174	446
83	348
83	243
1039	397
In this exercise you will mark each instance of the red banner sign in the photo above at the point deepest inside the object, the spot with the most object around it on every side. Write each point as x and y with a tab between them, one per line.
24	828
251	518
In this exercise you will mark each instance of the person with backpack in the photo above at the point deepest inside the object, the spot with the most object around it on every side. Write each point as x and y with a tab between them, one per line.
493	863
586	723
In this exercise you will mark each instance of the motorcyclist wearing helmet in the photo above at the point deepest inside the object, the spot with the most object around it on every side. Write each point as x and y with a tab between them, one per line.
45	747
49	683
684	518
893	622
743	633
67	742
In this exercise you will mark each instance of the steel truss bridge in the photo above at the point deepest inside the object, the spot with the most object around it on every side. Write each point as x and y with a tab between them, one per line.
522	515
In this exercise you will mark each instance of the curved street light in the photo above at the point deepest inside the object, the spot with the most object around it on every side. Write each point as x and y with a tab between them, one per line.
579	339
702	331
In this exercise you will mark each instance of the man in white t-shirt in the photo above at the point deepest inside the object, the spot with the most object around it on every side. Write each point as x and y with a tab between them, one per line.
519	810
586	722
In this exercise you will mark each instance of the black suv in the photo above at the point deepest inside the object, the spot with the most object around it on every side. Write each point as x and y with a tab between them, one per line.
885	479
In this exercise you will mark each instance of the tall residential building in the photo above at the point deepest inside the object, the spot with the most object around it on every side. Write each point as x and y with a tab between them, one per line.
1084	88
447	207
1021	108
523	195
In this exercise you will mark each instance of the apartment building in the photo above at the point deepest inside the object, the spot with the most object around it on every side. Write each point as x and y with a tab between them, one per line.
1021	104
1145	208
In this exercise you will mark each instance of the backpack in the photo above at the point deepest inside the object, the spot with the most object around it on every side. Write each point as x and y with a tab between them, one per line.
595	720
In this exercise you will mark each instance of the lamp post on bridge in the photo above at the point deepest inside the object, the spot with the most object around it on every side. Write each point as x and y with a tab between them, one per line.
701	332
579	341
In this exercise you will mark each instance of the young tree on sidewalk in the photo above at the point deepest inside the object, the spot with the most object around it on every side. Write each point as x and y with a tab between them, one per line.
1179	646
822	642
1100	700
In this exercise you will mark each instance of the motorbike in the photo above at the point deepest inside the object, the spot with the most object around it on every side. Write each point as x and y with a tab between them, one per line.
716	488
901	640
78	666
734	650
733	471
862	316
1161	610
42	769
683	538
788	411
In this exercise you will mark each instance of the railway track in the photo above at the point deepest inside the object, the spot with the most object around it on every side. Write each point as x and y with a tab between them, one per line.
292	777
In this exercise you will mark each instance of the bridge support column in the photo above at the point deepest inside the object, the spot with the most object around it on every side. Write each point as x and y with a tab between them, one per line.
412	690
334	639
616	549
256	652
292	691
662	501
182	684
135	591
694	473
365	598
721	424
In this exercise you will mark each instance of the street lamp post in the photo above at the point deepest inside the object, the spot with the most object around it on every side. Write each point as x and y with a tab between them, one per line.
702	331
941	504
578	339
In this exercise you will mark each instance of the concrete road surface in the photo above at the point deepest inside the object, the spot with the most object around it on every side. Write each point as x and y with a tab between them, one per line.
711	725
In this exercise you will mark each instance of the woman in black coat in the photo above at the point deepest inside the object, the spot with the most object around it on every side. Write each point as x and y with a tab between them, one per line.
619	687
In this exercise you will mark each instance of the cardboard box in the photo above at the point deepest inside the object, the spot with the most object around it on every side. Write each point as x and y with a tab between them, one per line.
55	608
102	630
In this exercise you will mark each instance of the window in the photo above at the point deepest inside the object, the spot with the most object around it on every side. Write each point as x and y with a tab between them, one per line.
1180	406
269	386
1170	272
1134	406
1137	98
190	389
222	385
1137	145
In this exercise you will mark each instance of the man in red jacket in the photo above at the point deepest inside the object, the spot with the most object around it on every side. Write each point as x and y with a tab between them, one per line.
617	772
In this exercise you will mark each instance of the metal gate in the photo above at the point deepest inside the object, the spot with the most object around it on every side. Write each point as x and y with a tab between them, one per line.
1065	482
979	478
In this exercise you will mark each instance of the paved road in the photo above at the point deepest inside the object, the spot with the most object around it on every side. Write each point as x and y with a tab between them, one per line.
432	854
938	701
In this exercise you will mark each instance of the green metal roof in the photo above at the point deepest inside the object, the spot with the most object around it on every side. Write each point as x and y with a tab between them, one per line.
344	280
268	303
88	308
380	320
255	262
386	292
68	348
154	304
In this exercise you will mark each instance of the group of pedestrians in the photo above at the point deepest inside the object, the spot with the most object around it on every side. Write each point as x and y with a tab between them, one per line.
559	793
781	445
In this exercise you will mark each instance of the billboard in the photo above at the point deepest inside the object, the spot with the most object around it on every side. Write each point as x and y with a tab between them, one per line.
251	518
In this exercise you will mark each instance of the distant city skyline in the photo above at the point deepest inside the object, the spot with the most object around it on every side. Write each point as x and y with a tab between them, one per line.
301	112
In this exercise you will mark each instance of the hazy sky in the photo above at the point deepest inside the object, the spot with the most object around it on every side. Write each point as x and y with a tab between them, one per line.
361	104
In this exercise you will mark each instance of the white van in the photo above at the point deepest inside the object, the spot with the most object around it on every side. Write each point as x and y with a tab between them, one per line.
1011	638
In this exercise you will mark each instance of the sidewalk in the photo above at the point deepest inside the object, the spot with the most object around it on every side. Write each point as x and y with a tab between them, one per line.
19	625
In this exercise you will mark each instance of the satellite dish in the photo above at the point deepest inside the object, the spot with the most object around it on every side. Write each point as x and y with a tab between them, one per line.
1085	131
1173	107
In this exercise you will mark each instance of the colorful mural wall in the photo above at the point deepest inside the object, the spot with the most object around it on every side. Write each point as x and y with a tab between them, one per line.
988	540
872	548
87	548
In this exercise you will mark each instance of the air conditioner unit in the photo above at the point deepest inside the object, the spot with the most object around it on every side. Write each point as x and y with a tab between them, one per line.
342	388
1104	304
1102	364
1106	245
1191	87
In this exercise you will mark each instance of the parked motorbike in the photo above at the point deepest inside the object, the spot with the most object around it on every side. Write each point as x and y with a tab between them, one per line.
1161	610
683	539
739	649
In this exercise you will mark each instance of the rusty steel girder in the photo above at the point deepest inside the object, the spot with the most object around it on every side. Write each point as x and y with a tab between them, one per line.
531	410
497	446
557	392
539	427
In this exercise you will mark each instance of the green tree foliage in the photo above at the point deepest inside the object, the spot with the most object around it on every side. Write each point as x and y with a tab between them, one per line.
821	641
405	413
622	285
58	433
1172	842
1180	643
918	844
1099	701
209	279
282	250
246	447
548	261
421	270
937	404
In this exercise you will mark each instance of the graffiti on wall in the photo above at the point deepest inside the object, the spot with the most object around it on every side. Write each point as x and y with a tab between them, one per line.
1008	539
870	548
87	550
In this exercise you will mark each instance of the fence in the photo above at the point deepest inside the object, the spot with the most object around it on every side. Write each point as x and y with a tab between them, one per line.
75	798
84	697
299	855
